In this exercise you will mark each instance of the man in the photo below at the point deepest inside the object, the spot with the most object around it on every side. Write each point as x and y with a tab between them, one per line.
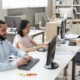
6	48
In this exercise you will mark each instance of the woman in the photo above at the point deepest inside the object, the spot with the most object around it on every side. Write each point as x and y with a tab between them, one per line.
22	40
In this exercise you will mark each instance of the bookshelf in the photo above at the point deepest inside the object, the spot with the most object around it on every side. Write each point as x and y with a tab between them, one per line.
63	5
74	4
78	13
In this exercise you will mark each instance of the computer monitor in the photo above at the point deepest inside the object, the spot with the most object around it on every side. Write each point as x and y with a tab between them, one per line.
51	54
63	29
68	11
12	21
45	18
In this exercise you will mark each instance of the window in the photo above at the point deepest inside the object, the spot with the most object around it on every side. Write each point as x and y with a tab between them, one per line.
31	3
9	4
4	4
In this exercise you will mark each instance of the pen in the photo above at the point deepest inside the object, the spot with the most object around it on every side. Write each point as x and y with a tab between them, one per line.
21	74
31	74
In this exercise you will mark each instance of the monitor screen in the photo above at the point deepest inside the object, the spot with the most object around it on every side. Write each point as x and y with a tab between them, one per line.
63	29
51	53
12	21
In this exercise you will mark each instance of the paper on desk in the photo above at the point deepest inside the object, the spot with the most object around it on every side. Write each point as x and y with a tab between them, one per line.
70	36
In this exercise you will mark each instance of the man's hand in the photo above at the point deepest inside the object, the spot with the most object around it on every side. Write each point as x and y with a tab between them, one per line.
22	62
28	58
47	44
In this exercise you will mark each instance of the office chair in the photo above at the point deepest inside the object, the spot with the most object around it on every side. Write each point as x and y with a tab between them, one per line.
45	18
78	62
9	38
41	27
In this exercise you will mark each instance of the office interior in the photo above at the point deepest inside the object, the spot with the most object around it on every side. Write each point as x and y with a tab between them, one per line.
44	16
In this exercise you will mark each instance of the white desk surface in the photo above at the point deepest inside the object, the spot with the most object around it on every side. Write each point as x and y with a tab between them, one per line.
32	32
42	73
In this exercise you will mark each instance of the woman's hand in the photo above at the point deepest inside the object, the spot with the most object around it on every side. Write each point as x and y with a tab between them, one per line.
46	45
75	40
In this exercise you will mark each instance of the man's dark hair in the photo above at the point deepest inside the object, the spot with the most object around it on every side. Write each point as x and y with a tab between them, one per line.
22	25
1	22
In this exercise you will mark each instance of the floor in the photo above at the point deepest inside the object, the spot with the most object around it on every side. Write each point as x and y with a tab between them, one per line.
38	40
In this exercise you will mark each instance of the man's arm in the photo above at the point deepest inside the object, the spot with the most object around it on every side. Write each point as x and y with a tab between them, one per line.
15	51
13	65
7	66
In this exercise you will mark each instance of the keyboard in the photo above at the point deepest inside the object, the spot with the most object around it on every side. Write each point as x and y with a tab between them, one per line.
65	52
30	64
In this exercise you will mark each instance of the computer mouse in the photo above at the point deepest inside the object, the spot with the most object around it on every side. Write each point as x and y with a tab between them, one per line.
72	43
41	49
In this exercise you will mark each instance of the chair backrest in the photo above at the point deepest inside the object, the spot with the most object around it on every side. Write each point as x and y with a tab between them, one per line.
9	38
39	24
41	27
45	18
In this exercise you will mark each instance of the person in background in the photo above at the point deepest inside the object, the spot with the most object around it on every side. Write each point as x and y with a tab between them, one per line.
65	70
76	40
23	40
7	48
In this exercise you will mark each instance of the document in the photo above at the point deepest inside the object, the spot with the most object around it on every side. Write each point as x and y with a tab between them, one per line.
71	36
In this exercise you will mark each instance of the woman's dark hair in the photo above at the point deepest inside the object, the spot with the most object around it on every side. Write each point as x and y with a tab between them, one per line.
22	25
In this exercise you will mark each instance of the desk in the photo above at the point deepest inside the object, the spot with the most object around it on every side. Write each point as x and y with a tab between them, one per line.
42	73
76	21
32	33
51	28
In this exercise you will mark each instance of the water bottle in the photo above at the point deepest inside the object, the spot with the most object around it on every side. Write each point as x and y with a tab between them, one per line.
58	43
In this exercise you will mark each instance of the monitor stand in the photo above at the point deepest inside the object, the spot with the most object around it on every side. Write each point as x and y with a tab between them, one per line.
62	41
12	29
53	65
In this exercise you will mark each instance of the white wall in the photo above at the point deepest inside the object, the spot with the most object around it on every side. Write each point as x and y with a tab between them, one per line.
1	11
30	12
